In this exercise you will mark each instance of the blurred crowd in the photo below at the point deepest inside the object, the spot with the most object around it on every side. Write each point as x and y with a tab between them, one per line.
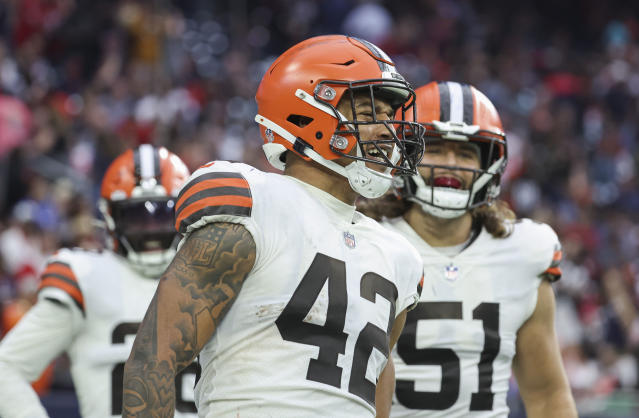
82	81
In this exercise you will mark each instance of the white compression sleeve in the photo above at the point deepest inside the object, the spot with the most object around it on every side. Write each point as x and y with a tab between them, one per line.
40	336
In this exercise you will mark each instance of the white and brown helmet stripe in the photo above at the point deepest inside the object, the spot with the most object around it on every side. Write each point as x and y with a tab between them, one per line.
146	162
456	102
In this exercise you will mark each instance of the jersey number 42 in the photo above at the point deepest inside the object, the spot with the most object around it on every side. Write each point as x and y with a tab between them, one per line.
330	337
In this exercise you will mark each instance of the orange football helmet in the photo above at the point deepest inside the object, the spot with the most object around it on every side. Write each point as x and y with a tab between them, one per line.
297	111
137	202
453	111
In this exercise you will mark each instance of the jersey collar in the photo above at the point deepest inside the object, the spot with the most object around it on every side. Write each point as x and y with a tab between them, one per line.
342	210
450	252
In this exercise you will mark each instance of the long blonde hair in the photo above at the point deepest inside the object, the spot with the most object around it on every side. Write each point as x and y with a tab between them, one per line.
495	217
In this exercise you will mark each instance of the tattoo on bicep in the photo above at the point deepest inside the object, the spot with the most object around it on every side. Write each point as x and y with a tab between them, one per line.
217	260
195	293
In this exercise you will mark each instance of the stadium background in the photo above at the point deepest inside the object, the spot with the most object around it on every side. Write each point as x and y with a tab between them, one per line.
83	80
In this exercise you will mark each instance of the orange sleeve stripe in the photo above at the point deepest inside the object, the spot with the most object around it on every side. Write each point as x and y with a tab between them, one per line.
208	164
55	268
211	184
73	291
557	255
241	201
555	271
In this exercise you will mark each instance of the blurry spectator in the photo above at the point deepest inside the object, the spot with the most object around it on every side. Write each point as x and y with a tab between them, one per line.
98	77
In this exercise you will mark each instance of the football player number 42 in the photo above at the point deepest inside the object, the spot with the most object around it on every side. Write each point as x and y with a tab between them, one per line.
447	359
330	337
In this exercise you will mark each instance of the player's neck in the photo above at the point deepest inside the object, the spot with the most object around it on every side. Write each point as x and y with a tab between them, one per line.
439	232
318	176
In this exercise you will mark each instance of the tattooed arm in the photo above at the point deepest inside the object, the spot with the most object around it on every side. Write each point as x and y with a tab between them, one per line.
192	298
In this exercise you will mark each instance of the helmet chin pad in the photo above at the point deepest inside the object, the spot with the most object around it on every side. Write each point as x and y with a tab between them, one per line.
442	202
367	182
143	229
149	263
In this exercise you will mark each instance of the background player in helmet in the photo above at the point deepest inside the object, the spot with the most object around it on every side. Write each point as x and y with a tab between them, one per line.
90	303
489	298
289	296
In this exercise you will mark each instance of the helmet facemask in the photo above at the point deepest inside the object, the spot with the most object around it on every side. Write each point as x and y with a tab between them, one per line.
451	202
396	152
407	147
143	229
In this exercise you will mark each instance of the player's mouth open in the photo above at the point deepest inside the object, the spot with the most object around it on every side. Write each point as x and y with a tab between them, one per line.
378	153
446	181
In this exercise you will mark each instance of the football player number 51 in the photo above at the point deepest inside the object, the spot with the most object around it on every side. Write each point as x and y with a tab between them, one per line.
447	359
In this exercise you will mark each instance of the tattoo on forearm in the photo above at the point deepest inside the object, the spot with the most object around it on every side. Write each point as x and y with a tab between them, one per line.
195	293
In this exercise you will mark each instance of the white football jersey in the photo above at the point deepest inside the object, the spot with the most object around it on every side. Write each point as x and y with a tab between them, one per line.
454	356
308	333
109	301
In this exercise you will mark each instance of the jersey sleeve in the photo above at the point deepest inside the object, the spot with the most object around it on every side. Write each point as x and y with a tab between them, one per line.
42	334
60	283
215	192
553	272
414	277
551	255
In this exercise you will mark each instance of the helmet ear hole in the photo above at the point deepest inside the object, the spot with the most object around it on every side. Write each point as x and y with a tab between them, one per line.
299	120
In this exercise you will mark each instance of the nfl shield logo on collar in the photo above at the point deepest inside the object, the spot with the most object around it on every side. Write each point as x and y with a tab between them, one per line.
349	239
451	272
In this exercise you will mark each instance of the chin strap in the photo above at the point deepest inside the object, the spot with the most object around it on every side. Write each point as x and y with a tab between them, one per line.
455	199
365	181
149	264
451	203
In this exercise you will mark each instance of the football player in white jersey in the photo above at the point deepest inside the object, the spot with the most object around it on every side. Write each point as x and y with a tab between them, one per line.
90	303
488	306
291	298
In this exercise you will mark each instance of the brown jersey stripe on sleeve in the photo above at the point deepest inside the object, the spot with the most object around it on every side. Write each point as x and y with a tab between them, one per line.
221	191
556	258
552	274
68	286
210	176
216	205
226	194
227	184
63	269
